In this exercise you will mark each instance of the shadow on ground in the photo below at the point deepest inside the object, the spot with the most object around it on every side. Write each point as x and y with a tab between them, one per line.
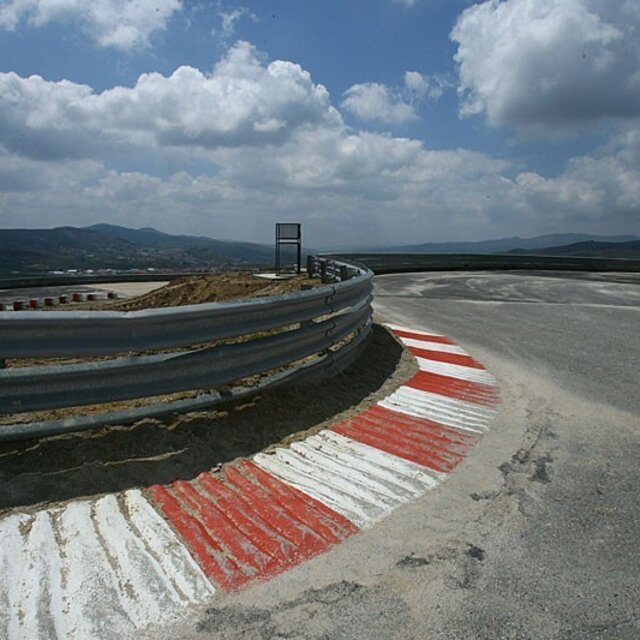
160	451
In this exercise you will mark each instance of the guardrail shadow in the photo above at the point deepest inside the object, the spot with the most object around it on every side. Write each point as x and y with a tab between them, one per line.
161	451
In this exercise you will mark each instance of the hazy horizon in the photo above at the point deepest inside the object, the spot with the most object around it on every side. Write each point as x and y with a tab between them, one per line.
554	239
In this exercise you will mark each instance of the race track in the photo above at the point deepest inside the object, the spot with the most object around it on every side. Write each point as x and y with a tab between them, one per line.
535	534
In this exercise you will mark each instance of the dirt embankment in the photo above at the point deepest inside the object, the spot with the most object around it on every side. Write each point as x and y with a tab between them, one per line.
182	446
217	287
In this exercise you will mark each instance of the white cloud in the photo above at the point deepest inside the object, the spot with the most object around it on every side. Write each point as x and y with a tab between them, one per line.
407	3
416	82
598	186
229	19
345	187
122	24
419	86
242	102
376	102
550	63
254	141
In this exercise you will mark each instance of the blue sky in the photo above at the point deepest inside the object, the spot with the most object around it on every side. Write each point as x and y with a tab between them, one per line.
370	122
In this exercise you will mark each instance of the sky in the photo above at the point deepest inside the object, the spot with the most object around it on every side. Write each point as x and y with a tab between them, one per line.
369	121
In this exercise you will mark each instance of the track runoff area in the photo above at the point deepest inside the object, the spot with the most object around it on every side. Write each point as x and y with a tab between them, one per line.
108	566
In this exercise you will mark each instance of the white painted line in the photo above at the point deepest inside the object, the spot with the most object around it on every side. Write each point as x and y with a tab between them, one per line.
397	327
93	569
414	476
42	577
455	371
447	411
91	607
362	483
471	410
433	346
325	487
150	594
176	562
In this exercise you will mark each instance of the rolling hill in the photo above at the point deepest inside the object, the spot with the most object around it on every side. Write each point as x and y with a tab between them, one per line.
113	247
500	245
590	249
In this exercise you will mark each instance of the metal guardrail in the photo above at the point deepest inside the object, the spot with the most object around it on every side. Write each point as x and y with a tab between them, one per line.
316	331
381	263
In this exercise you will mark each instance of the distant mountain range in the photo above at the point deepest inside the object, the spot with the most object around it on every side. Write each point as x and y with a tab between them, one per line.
590	249
502	245
105	246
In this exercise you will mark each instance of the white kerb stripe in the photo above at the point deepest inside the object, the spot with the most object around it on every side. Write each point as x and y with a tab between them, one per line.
325	487
471	410
455	371
161	543
397	327
433	346
416	475
93	569
358	481
446	411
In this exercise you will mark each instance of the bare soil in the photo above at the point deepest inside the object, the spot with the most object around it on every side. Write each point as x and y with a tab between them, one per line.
189	290
182	446
231	285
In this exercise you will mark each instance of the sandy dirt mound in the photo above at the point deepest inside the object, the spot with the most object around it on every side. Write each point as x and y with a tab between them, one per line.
213	288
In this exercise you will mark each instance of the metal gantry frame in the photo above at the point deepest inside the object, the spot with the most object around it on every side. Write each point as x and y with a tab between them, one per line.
288	233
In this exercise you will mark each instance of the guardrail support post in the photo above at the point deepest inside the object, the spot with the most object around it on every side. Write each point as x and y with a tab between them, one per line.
310	266
323	270
344	272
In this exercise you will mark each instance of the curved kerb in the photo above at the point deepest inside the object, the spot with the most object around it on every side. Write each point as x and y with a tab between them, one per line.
151	552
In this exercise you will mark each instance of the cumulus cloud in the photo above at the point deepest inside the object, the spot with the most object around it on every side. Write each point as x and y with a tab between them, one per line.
549	63
254	141
603	185
122	24
241	102
419	86
336	182
376	102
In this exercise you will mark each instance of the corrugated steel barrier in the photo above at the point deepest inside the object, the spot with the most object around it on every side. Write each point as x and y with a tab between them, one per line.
381	263
279	338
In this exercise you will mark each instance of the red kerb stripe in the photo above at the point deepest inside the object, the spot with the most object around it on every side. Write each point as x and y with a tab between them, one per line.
421	441
454	388
245	525
451	358
422	336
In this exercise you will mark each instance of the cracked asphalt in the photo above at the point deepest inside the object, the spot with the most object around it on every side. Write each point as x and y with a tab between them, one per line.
536	534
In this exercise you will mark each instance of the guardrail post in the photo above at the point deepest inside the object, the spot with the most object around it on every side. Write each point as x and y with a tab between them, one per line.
344	272
310	266
323	270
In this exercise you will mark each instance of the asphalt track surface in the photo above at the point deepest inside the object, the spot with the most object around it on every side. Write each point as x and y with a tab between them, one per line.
536	533
533	535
